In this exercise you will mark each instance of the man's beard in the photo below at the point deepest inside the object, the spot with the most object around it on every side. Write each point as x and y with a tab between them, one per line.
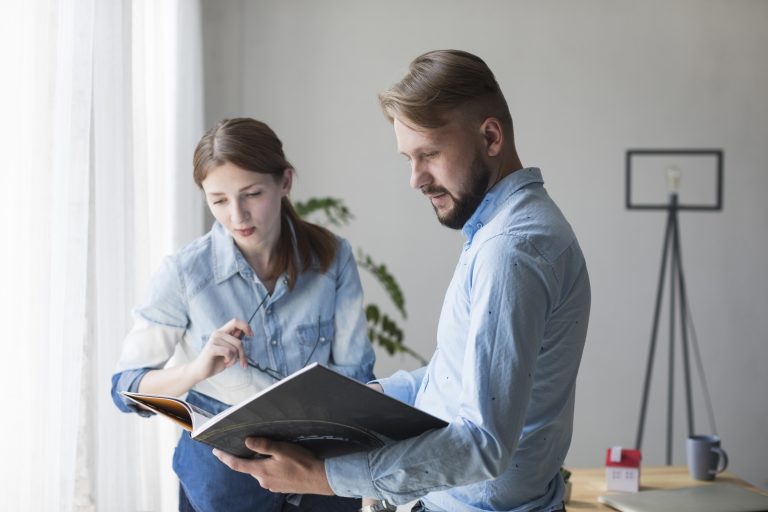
465	202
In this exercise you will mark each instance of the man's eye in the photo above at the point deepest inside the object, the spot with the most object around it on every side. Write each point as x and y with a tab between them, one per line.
430	154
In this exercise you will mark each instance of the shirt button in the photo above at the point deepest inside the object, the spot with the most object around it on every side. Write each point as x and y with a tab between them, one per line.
269	311
274	342
322	338
479	225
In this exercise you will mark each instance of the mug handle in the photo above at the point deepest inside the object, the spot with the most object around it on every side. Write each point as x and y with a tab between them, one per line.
722	459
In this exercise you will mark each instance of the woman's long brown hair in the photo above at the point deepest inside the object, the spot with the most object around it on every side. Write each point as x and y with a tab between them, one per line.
253	146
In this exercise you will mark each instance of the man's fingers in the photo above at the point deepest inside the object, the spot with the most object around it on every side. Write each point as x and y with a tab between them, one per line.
230	460
236	463
287	468
262	446
248	466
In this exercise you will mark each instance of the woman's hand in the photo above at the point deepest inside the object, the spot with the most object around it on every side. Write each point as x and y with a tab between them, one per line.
223	349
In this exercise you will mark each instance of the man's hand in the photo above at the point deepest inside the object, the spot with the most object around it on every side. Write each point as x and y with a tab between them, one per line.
288	468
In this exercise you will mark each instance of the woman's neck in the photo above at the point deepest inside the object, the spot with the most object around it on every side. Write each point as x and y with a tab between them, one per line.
262	262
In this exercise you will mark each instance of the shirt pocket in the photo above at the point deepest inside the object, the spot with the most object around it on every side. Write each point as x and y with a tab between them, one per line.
234	377
315	341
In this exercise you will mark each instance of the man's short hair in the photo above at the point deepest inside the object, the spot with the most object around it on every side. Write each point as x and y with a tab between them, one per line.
442	83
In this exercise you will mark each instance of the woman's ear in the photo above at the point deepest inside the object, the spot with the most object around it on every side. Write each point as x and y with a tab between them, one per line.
493	135
287	181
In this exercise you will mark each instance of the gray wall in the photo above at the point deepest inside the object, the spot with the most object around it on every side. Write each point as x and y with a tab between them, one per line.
585	81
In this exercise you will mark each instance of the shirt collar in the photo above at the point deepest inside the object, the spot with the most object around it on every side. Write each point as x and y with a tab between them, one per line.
498	195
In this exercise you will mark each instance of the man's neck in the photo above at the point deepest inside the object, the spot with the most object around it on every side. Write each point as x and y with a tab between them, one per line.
506	166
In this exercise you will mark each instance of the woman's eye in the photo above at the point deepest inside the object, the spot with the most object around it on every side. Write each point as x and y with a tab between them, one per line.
220	201
253	194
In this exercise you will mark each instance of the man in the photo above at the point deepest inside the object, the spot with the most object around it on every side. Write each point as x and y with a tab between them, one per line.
511	331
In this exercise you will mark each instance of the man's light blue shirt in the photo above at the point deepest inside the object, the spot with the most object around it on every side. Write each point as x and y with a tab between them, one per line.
509	342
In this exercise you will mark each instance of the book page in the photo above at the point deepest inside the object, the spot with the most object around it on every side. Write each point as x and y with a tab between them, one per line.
187	416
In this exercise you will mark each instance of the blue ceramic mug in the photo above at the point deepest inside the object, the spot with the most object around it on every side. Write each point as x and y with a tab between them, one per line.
705	457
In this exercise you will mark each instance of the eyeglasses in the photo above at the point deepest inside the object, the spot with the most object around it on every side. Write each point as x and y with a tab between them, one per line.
275	374
237	333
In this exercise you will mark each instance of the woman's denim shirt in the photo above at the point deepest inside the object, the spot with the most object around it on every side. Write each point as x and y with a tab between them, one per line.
198	290
209	282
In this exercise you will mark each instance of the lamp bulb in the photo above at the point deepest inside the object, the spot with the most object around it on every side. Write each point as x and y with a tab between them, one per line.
673	178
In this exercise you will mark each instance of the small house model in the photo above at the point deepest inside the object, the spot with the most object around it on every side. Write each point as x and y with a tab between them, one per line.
622	469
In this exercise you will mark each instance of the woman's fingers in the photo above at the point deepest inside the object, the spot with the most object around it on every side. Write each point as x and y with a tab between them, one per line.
233	332
236	325
227	349
237	344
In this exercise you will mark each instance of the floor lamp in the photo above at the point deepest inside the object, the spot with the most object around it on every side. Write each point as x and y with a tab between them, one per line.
678	298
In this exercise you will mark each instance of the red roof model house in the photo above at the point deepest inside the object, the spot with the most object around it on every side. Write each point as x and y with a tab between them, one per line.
622	469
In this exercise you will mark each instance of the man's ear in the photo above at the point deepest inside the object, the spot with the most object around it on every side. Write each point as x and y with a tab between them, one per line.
287	181
493	136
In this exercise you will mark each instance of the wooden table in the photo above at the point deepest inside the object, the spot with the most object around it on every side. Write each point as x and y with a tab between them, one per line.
589	483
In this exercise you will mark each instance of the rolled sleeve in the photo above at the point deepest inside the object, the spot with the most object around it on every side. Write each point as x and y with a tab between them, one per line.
128	381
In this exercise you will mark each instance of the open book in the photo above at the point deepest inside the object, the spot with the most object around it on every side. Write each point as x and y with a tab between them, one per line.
322	410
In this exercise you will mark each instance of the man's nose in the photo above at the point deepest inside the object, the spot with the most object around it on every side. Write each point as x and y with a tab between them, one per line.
419	174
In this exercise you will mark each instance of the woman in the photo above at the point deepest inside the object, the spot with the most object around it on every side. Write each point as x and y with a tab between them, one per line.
261	295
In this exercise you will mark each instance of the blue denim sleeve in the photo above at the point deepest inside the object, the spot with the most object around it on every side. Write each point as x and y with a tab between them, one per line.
352	354
163	306
166	302
128	380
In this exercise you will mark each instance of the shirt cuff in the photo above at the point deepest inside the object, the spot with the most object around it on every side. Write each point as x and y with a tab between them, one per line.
350	475
403	385
128	380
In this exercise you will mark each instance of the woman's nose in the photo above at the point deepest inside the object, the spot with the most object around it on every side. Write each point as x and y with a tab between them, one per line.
239	213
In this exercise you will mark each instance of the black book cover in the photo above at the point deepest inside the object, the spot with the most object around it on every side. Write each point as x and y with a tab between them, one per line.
320	409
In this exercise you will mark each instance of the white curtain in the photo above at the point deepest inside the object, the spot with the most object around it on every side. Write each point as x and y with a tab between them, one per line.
101	104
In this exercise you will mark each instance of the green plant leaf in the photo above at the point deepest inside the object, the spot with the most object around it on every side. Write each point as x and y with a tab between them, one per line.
372	313
385	331
385	278
334	210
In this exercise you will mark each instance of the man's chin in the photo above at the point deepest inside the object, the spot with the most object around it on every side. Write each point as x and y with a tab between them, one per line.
457	214
448	218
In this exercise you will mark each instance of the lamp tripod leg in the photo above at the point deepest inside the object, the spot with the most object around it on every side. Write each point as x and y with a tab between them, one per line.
684	332
654	332
671	359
